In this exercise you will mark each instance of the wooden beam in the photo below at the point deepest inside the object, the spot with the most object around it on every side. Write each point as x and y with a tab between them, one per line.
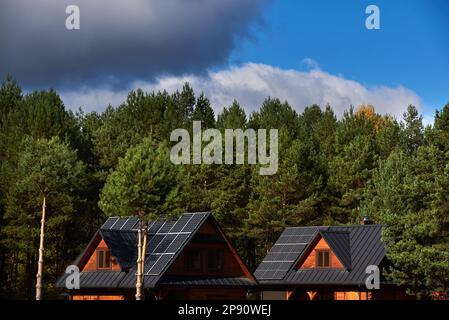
312	294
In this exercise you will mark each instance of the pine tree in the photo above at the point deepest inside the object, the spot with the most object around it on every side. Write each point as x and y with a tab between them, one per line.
413	130
233	117
48	175
144	181
439	134
408	195
203	112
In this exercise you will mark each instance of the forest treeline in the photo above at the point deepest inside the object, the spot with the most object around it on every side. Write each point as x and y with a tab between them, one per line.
331	172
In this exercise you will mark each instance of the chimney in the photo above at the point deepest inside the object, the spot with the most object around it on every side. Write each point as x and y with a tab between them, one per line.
366	221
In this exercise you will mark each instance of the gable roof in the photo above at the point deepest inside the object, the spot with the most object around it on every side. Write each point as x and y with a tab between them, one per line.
166	240
356	246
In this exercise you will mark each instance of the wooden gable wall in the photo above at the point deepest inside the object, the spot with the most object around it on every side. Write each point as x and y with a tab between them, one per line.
232	266
310	261
92	263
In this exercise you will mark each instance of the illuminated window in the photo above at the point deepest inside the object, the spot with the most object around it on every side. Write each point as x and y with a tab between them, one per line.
352	295
323	258
103	259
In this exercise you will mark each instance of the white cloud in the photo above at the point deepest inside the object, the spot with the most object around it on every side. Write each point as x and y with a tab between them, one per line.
251	83
309	63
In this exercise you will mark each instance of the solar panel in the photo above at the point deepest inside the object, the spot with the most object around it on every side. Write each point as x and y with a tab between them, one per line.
109	223
163	245
118	224
193	222
300	231
153	241
177	243
281	256
182	221
150	261
165	238
274	265
129	224
294	239
160	264
154	226
273	270
285	252
166	227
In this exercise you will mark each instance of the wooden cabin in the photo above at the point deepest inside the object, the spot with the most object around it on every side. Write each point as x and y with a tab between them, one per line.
326	263
190	258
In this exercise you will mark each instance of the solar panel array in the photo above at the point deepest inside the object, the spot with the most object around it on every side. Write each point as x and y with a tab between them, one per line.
167	241
165	238
284	253
119	223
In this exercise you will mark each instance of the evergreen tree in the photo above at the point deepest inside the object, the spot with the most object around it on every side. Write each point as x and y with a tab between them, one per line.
408	195
413	130
203	112
145	183
439	134
10	98
233	117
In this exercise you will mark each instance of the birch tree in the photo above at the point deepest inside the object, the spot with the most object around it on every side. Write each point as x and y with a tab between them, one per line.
48	170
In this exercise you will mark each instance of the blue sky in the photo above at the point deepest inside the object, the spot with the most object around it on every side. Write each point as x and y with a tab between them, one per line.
305	52
411	48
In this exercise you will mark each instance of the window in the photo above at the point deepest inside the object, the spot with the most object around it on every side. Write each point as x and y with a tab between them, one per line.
103	259
352	295
193	260
323	258
215	260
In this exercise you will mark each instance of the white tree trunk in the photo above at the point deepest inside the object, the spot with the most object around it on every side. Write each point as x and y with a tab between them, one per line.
144	250
139	263
40	262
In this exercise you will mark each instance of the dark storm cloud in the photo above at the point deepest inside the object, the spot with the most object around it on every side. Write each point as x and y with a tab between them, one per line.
119	41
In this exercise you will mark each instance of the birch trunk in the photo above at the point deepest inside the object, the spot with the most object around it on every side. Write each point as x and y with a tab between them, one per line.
144	250
40	262
139	262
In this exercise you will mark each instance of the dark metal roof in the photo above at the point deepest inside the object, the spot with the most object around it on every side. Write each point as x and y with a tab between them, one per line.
356	246
103	279
206	281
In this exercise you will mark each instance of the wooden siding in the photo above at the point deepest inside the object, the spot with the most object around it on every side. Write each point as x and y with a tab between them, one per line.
231	266
97	297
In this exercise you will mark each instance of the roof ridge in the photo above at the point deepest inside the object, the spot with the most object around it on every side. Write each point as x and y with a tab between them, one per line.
303	227
337	226
335	231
